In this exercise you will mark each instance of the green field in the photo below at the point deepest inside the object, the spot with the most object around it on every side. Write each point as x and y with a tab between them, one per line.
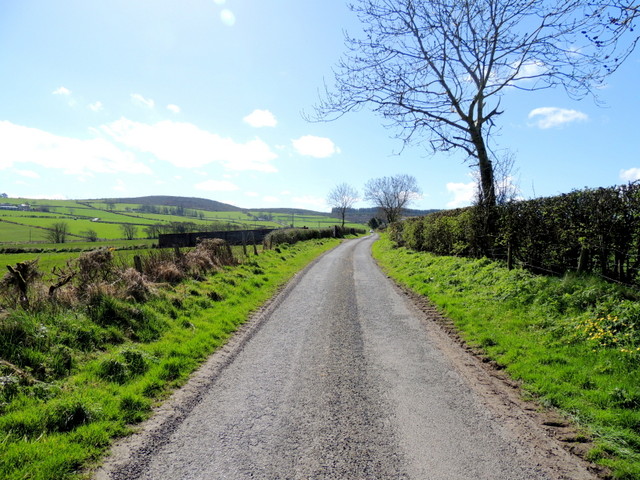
30	226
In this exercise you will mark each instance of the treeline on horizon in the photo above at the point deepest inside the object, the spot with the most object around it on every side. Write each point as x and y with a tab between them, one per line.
590	230
363	215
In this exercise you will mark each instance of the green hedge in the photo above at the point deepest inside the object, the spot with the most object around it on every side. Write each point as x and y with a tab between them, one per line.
590	230
294	235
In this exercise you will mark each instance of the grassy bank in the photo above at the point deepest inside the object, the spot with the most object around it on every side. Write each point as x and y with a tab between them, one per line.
573	342
73	380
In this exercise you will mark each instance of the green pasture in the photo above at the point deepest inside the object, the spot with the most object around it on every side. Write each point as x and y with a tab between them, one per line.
76	227
31	226
13	214
10	233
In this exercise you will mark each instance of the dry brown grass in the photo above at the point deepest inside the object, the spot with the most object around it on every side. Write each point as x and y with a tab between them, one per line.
96	273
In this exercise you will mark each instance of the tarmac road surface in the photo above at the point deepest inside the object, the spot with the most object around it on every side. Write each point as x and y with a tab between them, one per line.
342	378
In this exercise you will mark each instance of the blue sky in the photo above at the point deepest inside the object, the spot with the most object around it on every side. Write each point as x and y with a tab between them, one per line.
119	98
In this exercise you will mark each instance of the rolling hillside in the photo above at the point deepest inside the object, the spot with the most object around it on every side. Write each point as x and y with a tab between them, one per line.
29	221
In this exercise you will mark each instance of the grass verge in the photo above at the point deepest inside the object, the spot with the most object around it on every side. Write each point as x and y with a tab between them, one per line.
572	342
86	376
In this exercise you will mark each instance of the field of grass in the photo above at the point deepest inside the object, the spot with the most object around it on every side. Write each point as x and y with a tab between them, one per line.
99	370
10	233
573	342
31	225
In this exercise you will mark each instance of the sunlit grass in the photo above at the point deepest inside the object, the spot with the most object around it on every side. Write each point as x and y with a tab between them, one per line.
571	341
102	369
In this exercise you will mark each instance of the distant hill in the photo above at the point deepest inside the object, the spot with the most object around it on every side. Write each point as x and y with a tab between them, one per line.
289	211
363	215
185	202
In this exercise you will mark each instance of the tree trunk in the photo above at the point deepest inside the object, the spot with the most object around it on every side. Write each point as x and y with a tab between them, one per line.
487	186
583	260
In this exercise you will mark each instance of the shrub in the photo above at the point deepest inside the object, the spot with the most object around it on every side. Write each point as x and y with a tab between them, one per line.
135	285
591	230
95	266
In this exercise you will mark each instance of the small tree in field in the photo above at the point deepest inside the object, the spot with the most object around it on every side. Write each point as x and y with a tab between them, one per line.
129	231
392	194
57	233
90	235
342	197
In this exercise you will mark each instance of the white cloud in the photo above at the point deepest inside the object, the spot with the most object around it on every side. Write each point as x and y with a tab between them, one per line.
310	202
261	118
630	175
62	91
463	194
186	145
96	106
141	101
228	17
549	117
74	156
528	71
48	196
217	186
318	147
119	186
173	108
28	173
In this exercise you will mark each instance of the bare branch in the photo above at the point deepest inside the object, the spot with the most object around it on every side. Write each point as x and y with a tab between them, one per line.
437	69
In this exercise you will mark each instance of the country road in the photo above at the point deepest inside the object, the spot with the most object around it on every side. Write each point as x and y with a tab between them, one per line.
340	378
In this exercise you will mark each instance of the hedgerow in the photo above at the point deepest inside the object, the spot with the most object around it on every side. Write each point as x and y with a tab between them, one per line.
590	230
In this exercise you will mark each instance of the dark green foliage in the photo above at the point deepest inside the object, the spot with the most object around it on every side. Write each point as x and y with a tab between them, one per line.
66	415
591	230
294	235
140	323
113	370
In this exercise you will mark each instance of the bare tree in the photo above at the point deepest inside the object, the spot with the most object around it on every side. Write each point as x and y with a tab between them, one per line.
437	69
129	230
342	197
57	233
392	194
505	183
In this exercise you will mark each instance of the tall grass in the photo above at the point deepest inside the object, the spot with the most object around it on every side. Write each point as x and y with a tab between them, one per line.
573	342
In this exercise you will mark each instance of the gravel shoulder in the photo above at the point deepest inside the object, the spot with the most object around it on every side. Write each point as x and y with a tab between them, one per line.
343	375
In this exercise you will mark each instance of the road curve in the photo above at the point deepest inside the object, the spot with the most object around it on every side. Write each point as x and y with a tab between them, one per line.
341	379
